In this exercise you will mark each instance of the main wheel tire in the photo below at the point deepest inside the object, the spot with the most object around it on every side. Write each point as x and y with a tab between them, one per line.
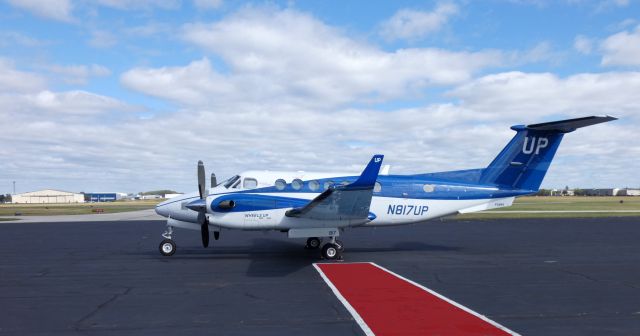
330	251
313	243
167	247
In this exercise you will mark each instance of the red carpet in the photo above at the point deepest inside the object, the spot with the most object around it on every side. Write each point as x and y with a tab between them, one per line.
386	304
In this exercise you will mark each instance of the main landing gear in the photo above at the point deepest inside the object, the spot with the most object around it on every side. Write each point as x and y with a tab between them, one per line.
330	251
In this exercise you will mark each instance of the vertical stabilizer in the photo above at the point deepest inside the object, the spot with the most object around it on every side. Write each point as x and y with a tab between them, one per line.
523	163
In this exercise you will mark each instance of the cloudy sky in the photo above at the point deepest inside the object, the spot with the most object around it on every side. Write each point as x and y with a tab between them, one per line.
119	95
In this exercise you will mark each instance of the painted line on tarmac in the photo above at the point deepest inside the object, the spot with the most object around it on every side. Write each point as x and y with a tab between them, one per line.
385	303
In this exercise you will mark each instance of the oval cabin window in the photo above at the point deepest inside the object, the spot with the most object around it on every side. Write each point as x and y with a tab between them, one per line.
314	185
280	184
296	184
428	188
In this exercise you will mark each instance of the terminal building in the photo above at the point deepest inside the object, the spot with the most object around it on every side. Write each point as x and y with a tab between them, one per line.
47	196
612	192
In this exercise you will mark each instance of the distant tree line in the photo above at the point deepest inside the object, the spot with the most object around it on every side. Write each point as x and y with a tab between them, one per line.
158	192
5	198
548	192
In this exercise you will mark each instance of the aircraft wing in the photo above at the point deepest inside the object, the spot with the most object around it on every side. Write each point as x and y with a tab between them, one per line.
343	202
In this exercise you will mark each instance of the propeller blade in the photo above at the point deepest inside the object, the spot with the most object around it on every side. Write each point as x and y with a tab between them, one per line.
204	228
201	206
201	182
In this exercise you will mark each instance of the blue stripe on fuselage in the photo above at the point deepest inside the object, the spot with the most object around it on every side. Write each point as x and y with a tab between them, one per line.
407	186
253	202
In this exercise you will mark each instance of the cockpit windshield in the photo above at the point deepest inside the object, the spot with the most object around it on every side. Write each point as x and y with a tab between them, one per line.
228	183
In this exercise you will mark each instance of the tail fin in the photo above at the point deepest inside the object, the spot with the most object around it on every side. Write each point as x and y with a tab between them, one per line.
525	160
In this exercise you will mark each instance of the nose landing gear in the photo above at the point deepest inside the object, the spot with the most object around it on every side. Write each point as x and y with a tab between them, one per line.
167	246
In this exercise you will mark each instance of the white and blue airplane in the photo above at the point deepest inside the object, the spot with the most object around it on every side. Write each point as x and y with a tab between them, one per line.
321	205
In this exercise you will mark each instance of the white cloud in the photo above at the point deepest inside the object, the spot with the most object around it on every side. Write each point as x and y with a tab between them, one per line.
78	73
194	84
413	24
583	44
272	53
207	4
52	9
149	29
13	80
541	52
622	48
73	103
13	38
606	4
140	4
278	89
237	135
102	39
536	95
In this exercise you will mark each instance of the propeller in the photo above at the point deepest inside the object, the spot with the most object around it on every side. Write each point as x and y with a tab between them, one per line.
214	181
202	210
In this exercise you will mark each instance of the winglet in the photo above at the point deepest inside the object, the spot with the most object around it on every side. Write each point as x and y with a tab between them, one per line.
370	174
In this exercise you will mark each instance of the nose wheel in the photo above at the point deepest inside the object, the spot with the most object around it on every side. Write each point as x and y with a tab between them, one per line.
167	247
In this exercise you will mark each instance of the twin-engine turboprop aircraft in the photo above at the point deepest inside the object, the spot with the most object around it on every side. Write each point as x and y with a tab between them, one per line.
321	205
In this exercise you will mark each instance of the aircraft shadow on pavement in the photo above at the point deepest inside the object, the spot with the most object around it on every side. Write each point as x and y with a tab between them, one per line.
404	247
277	258
266	257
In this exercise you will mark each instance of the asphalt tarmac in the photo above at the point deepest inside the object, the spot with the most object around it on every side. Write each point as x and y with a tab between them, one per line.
536	277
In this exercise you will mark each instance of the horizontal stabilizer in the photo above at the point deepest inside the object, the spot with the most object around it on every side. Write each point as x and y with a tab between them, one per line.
570	125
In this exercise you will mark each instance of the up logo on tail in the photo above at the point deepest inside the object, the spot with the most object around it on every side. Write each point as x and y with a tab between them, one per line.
530	144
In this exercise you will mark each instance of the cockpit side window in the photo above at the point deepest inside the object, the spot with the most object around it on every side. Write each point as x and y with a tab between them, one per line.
249	183
228	183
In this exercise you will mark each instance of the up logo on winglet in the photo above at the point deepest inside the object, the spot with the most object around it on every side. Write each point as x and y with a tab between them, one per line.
530	144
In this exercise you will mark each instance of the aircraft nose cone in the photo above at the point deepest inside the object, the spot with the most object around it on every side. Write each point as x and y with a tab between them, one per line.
162	209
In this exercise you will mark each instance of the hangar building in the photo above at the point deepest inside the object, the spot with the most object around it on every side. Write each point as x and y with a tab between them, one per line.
48	196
